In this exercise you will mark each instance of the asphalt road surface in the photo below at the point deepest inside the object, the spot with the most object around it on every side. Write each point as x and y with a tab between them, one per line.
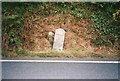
11	70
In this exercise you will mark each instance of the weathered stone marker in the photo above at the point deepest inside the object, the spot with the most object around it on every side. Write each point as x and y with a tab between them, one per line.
59	39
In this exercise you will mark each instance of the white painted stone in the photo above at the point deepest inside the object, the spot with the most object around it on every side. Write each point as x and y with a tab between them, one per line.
59	39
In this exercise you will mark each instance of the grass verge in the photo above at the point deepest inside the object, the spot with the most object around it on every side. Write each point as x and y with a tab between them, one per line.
59	54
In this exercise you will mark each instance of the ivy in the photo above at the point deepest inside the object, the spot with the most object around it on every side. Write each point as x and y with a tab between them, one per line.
104	24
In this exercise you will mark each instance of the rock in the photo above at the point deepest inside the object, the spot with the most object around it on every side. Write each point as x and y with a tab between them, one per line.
51	38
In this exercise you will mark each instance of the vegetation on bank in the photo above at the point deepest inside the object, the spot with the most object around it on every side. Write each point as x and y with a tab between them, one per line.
105	18
60	54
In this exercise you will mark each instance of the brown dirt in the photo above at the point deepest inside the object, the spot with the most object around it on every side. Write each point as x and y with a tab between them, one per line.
77	34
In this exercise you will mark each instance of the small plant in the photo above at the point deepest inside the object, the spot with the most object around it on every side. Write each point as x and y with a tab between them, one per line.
75	51
14	40
22	52
99	41
4	54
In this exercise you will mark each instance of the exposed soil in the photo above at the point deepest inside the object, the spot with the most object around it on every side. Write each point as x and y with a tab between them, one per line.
77	37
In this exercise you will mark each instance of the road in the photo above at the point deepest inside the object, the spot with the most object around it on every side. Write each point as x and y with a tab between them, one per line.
12	70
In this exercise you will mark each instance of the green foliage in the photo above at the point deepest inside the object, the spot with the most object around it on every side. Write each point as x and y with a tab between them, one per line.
4	54
22	52
14	38
105	27
12	23
116	15
100	41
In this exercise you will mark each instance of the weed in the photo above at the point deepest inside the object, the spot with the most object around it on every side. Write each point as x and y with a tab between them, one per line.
4	54
22	52
75	51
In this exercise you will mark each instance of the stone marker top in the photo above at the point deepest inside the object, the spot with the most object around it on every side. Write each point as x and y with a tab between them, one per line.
60	31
